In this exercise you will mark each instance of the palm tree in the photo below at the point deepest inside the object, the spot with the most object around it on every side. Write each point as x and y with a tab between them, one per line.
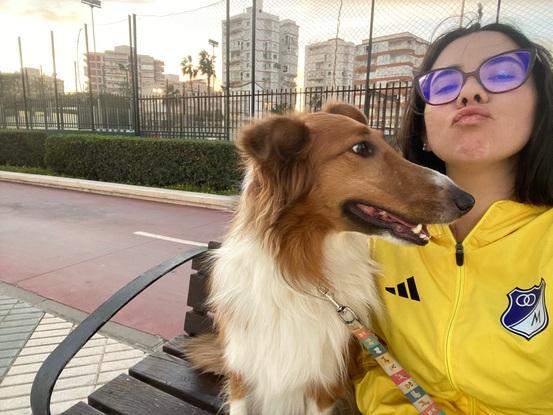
206	66
187	67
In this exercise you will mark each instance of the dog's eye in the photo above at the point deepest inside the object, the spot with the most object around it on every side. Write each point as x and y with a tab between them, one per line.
364	149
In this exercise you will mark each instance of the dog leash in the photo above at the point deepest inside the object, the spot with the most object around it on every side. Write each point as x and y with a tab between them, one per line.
401	378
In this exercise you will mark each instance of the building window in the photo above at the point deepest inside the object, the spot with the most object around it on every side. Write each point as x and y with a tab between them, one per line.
284	68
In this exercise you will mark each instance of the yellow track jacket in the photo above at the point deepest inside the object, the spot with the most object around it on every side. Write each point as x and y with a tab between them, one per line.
470	321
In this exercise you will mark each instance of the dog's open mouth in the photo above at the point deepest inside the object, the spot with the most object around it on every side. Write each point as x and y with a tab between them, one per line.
414	233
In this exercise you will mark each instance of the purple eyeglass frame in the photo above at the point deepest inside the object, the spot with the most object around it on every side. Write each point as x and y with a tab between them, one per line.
476	74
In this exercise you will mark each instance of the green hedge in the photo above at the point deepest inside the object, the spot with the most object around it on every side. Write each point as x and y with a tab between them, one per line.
141	161
22	148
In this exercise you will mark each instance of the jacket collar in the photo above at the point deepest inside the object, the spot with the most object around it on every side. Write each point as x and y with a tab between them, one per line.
502	218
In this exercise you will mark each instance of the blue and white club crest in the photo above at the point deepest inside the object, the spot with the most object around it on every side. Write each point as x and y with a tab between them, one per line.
526	314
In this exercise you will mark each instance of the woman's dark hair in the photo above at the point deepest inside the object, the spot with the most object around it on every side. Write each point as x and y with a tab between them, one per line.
534	170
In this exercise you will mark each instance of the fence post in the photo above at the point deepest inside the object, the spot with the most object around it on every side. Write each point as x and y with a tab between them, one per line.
130	86
23	82
136	91
56	79
369	59
89	78
227	64
252	75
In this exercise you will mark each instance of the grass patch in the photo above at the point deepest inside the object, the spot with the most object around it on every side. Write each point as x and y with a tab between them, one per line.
30	170
202	189
184	187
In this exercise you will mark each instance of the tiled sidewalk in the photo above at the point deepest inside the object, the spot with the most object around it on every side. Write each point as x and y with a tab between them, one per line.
28	335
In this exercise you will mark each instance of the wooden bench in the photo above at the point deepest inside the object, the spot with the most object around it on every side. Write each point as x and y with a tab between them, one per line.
162	383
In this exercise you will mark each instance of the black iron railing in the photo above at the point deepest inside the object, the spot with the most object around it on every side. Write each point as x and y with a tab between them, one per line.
196	114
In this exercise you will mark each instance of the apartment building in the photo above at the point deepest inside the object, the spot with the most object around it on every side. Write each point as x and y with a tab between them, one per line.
395	57
37	85
329	63
110	72
276	50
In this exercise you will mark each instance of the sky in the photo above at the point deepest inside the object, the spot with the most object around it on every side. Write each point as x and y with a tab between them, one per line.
171	29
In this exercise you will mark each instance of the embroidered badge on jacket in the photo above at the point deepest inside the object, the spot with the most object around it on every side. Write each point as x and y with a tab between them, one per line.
527	313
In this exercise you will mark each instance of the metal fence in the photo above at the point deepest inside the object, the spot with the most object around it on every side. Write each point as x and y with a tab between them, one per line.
196	115
172	34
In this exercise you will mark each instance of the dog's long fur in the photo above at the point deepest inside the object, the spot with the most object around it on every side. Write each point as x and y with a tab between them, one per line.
281	346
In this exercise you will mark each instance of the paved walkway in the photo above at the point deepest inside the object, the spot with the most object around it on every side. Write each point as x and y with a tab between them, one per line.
28	334
35	319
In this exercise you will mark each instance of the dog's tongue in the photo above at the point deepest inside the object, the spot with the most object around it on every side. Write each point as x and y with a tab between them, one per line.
399	225
383	215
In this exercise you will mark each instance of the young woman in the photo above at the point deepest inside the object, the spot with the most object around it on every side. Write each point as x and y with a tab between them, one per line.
468	314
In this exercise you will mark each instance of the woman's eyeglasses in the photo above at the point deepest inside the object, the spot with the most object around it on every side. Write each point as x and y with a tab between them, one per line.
500	73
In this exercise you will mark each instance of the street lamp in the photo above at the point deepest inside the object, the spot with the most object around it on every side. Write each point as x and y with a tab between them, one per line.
214	44
92	4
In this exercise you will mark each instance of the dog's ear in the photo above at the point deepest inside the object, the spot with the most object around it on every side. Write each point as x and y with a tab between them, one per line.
279	137
341	108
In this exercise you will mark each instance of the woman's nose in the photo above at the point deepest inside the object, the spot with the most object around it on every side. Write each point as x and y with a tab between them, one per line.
472	93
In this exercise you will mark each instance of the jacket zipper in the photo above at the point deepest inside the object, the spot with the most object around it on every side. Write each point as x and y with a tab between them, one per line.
459	260
459	254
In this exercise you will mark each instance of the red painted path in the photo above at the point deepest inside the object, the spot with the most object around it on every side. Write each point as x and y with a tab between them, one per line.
79	248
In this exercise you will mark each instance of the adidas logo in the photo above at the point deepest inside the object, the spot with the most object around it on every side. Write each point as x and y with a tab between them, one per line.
405	291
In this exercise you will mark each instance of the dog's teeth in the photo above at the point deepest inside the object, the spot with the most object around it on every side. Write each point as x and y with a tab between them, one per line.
424	237
417	229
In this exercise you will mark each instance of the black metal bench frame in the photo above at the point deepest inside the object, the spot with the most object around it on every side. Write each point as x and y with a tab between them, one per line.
52	367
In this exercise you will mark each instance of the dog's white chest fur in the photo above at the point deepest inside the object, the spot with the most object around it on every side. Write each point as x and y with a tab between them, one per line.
281	341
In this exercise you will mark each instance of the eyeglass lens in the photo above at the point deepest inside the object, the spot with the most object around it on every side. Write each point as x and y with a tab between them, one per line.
500	73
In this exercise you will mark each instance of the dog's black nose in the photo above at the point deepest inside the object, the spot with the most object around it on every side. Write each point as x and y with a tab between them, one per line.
464	201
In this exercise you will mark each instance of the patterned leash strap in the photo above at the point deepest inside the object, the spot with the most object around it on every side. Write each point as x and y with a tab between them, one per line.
401	378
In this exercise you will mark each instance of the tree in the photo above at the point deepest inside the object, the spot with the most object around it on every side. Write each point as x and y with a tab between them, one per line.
187	67
206	66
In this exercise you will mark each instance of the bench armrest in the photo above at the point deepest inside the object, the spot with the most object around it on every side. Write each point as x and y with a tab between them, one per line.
52	367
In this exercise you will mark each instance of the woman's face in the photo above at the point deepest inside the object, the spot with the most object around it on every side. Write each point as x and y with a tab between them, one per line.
505	127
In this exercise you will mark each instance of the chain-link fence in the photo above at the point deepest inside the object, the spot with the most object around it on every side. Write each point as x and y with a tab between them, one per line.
194	75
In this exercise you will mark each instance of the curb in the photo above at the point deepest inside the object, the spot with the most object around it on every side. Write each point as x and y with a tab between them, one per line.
205	200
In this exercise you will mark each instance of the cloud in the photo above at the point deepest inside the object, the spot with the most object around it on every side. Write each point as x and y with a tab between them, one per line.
55	16
56	11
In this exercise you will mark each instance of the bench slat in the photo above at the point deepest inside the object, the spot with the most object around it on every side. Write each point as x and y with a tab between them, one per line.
197	323
174	347
82	408
125	395
198	291
174	376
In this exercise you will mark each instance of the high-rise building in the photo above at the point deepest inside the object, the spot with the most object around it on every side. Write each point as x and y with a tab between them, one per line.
329	63
394	57
276	50
37	85
110	72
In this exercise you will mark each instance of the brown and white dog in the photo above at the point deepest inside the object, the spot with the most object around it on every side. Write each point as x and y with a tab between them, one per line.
315	186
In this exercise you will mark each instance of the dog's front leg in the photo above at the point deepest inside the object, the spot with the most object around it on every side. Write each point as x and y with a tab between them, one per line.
236	395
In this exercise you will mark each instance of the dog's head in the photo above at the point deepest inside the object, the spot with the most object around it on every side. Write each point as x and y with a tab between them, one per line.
328	171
